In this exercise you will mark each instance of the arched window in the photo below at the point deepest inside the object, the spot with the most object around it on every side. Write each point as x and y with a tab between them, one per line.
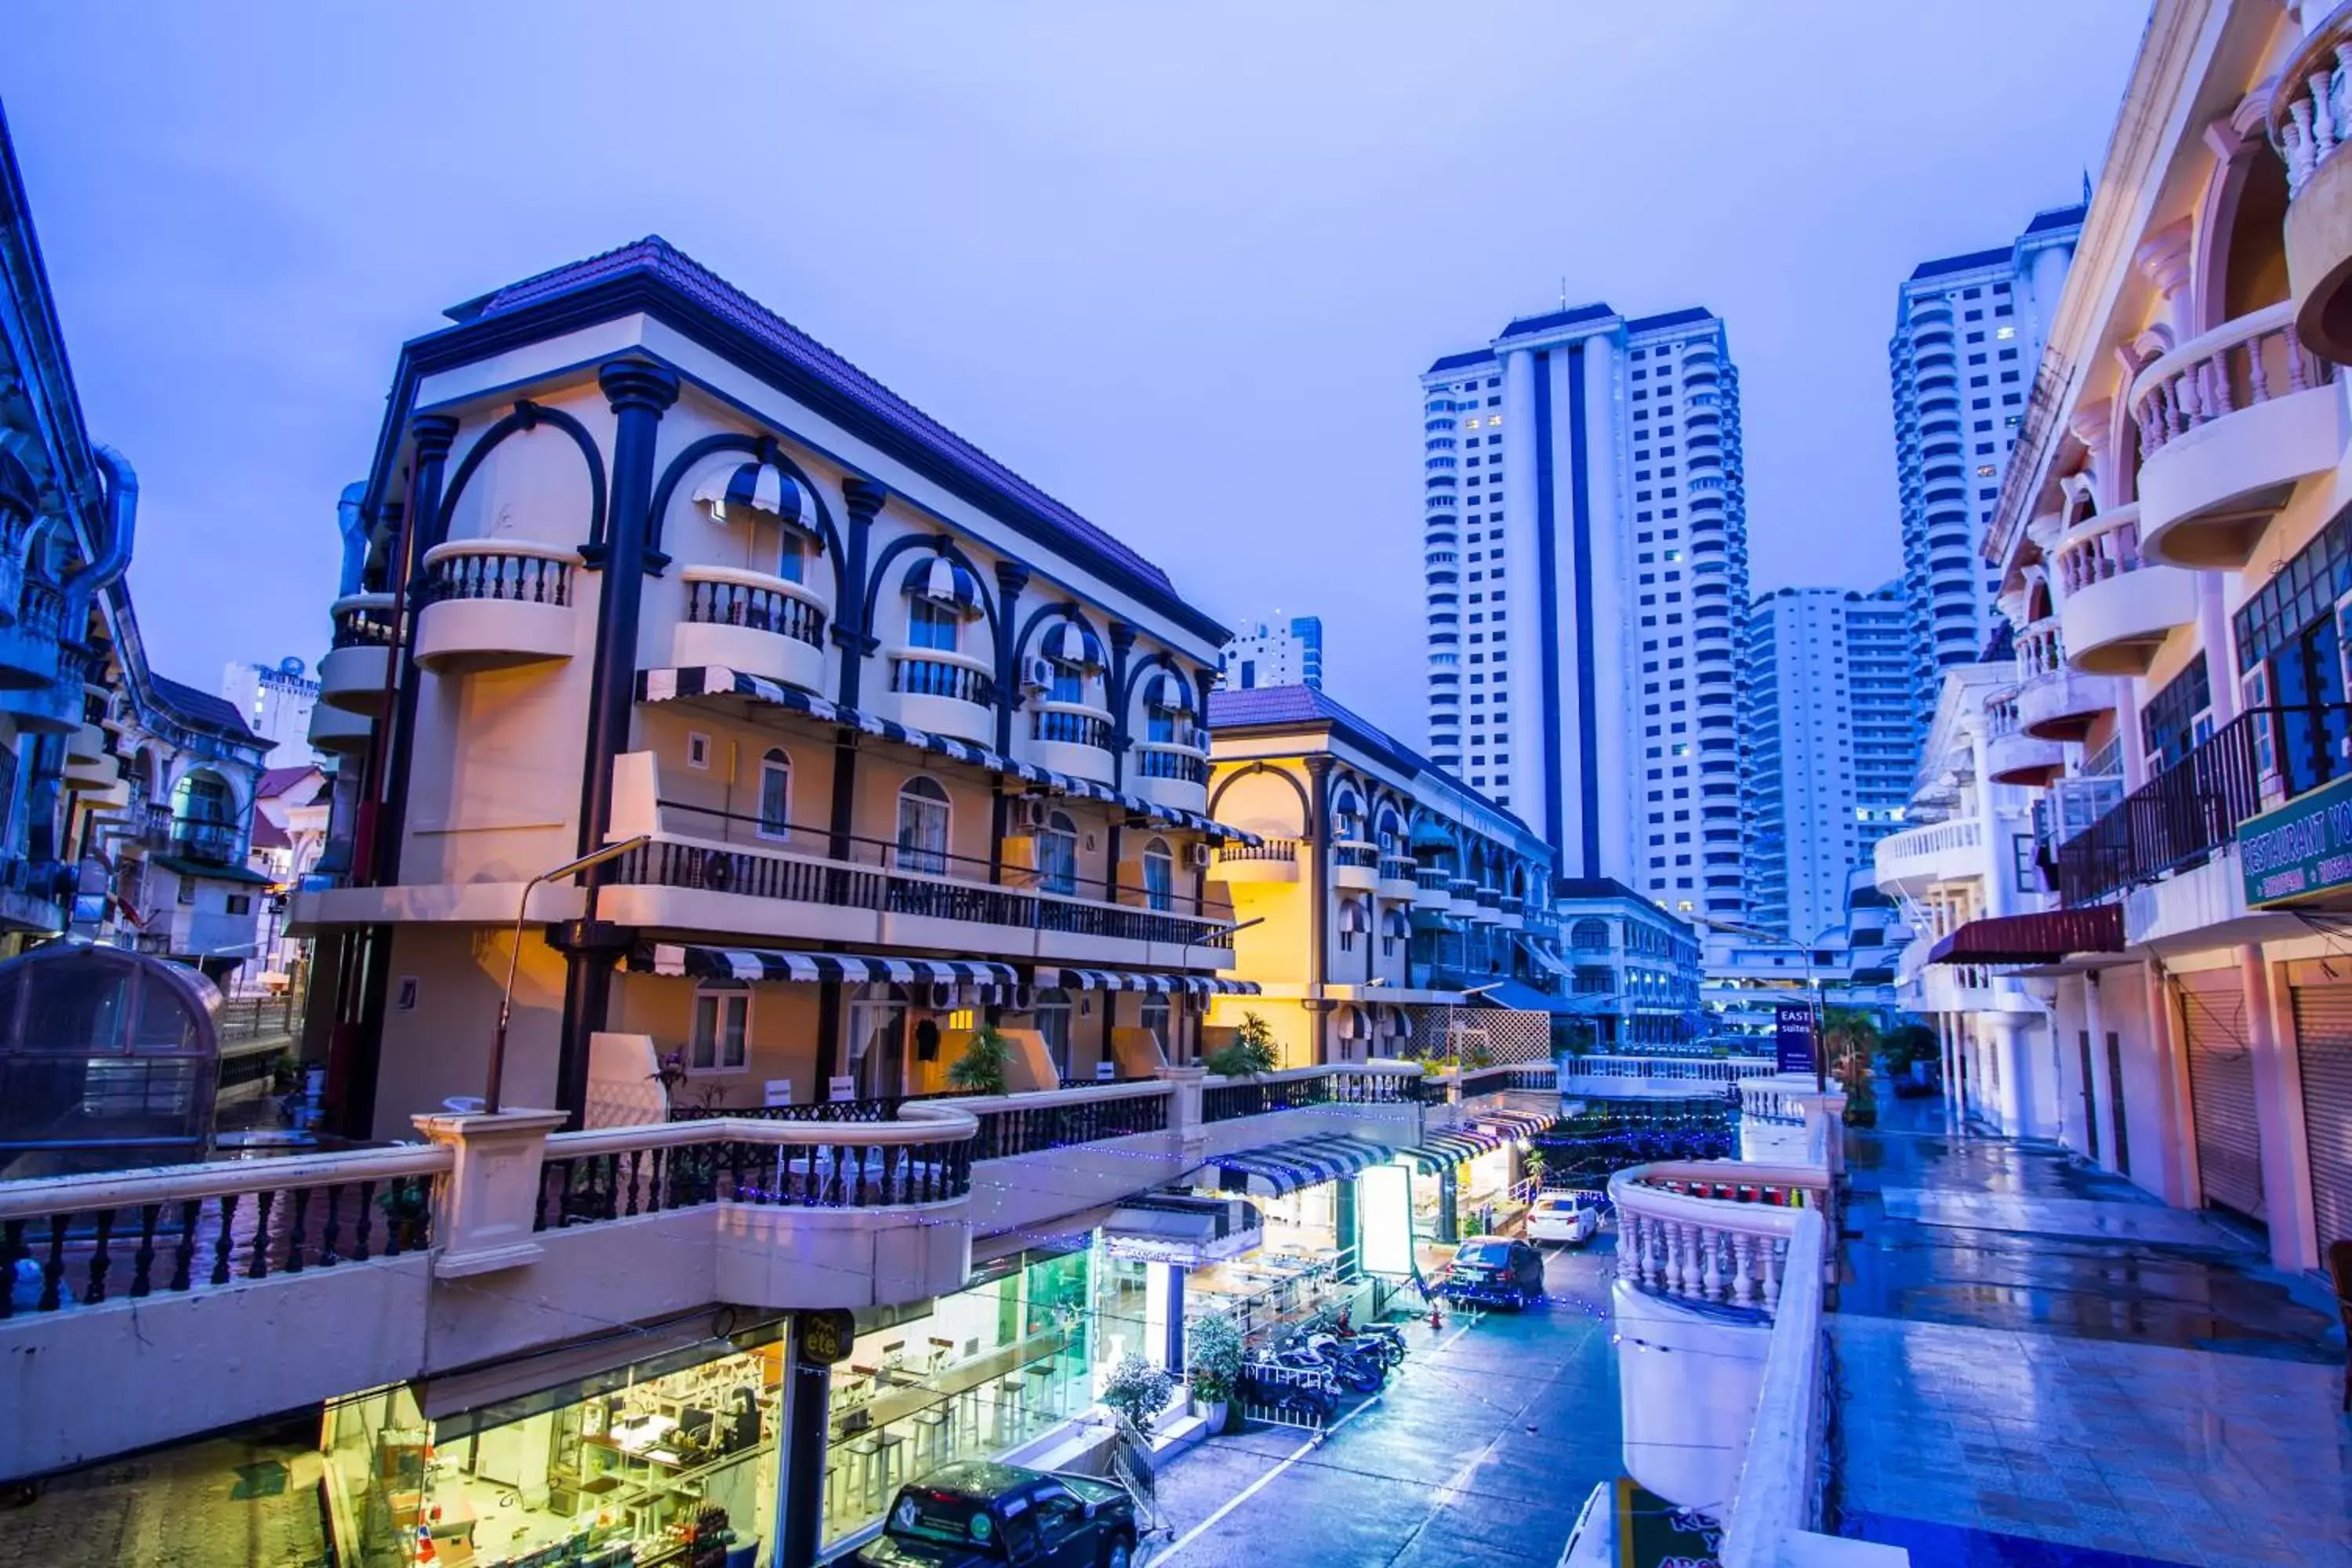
1058	855
775	795
1347	814
1588	936
1395	928
1168	710
1158	875
923	826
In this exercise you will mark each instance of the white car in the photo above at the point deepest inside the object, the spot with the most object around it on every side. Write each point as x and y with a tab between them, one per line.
1569	1217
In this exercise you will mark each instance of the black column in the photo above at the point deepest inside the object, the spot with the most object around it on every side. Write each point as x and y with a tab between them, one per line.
639	392
1318	912
802	1445
856	642
1011	578
431	437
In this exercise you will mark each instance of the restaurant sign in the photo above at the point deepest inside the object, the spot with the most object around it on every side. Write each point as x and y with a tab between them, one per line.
2300	850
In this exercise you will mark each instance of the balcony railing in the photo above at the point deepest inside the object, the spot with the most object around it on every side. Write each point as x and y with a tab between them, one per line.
2311	110
2244	363
2106	547
1713	1230
521	575
1159	760
2040	651
2192	808
1222	1100
215	843
1432	878
1272	849
363	620
1363	857
1396	869
713	600
914	674
1070	725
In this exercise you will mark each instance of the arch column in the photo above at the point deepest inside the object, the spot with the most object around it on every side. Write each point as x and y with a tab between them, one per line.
1011	577
1318	912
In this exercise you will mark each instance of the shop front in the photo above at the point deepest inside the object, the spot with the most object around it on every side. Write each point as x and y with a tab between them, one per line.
1305	1261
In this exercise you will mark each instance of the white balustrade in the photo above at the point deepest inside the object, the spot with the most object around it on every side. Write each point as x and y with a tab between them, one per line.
2103	547
1713	1230
2238	364
2317	101
2038	651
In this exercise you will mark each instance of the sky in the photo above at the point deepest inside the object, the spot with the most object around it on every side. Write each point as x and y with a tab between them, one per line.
1180	265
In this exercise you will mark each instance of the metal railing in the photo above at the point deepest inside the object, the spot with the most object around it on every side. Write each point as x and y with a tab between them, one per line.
2192	808
720	602
1222	1100
1272	849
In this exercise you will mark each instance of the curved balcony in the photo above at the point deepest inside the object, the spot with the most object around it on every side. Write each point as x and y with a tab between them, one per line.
1275	860
951	693
1462	897
1170	773
28	645
1910	862
83	774
338	731
1396	880
2116	607
751	622
2229	423
494	604
351	677
2012	756
1071	738
1431	886
2055	703
2310	113
89	741
1355	865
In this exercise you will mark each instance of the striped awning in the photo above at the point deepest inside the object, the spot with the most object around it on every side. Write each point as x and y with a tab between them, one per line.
1395	1022
1168	693
718	681
1130	980
777	964
1073	643
1515	1125
1444	1150
943	580
1280	1169
756	486
1540	954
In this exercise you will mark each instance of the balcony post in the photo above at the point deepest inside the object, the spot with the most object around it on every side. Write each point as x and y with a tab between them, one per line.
1184	1105
1011	578
484	1215
430	435
1318	902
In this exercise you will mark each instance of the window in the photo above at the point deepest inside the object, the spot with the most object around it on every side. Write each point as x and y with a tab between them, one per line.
697	750
1058	854
791	561
240	903
775	795
1158	875
932	624
1053	1016
923	826
722	1027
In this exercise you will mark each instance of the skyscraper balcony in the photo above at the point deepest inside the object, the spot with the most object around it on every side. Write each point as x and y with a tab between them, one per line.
2229	423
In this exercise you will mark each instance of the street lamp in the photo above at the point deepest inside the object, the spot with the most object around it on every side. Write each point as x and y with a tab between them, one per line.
514	958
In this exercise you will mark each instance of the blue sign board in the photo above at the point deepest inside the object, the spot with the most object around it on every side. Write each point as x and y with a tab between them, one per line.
1793	1036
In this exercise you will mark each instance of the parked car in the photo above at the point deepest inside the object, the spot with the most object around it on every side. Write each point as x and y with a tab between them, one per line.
973	1512
1572	1218
1493	1269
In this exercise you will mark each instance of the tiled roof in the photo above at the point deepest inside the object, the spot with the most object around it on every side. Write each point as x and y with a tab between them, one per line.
1455	362
199	707
656	256
1544	324
267	835
277	781
1277	705
1969	263
1671	319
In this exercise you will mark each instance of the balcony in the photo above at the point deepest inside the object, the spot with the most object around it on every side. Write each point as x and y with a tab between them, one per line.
28	645
2012	756
2309	114
1397	879
2054	703
208	843
339	733
1432	889
496	605
1462	897
1171	773
1910	862
1490	906
748	621
2189	812
2116	607
353	676
1355	865
1275	860
1071	738
2230	422
947	693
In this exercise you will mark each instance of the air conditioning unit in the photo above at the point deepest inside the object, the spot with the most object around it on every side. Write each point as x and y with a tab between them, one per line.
940	996
719	872
1021	999
1029	814
1197	857
1037	675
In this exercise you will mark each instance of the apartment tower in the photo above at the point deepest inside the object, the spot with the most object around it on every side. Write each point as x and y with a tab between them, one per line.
1600	701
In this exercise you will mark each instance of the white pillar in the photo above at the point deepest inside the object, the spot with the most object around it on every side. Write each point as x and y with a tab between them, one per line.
2016	1097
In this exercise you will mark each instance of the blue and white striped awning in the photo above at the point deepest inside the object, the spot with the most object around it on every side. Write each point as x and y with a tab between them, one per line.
756	486
1280	1169
778	965
1444	1150
1132	980
1168	692
1515	1125
1073	643
717	680
943	580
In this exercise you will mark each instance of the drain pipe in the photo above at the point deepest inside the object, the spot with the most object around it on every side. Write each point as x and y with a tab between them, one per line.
114	557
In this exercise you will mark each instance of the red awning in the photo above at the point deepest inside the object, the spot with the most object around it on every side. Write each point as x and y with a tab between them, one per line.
2034	939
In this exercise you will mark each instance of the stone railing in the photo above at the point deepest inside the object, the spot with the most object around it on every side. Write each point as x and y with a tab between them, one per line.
1360	1083
1712	1230
2236	365
1696	1069
2311	107
512	570
364	620
2103	547
2038	651
1777	1502
1773	1101
1918	843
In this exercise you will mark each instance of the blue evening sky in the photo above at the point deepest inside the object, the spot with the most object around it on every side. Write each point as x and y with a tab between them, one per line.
1180	265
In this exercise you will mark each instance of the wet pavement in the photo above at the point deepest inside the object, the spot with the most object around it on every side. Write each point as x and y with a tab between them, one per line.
1482	1450
2036	1362
216	1503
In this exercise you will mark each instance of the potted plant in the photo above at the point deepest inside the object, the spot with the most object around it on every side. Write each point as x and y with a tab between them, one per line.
1213	1355
1251	1053
985	1061
1138	1391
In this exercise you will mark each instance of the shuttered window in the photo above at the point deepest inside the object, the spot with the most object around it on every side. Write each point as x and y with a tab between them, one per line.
2323	1029
2222	1092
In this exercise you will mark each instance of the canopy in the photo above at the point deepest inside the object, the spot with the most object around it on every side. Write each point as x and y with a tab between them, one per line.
1515	1125
1280	1169
943	580
1444	1150
1128	980
761	486
2045	938
779	964
1073	643
1540	954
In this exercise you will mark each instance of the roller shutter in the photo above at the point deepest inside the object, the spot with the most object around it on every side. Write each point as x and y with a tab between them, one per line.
2323	1031
2222	1092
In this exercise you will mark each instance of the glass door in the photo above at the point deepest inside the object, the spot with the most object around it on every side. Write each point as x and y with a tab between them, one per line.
2307	679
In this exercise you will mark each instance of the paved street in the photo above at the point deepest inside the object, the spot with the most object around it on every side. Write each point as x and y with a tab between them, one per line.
1482	1451
2033	1355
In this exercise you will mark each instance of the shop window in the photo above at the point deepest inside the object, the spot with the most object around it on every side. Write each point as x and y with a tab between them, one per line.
722	1030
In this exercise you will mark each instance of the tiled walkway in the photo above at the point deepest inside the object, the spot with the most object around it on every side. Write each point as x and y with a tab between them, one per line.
2037	1363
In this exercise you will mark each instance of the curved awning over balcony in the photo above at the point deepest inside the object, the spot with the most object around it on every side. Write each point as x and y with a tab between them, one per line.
717	680
2046	938
1279	1170
775	964
1515	1125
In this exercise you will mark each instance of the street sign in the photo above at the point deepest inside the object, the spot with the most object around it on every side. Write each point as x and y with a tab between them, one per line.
1654	1533
2300	850
1793	1036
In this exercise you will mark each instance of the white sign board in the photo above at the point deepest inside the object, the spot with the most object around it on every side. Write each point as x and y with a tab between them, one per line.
1106	1072
843	1086
777	1091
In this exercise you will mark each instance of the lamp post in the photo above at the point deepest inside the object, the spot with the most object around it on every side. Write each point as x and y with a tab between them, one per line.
514	958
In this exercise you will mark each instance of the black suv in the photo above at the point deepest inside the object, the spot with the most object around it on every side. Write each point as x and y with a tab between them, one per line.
1495	1270
972	1512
